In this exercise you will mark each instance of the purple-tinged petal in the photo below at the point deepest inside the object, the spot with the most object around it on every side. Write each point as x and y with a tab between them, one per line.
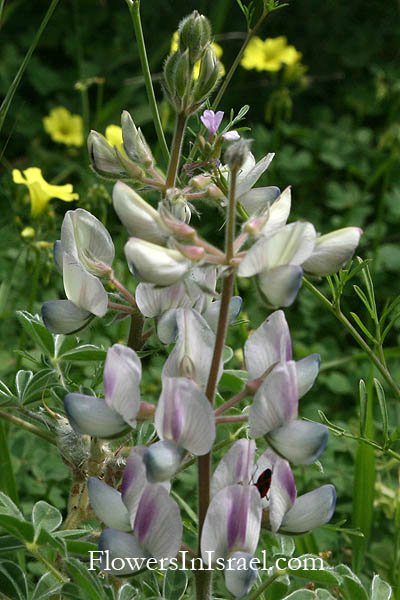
268	345
333	250
185	416
193	351
91	415
122	373
240	574
232	523
162	460
282	492
307	370
300	442
63	316
134	481
258	200
108	506
158	524
123	546
278	212
212	120
275	402
166	327
212	313
230	136
82	288
280	285
235	466
310	510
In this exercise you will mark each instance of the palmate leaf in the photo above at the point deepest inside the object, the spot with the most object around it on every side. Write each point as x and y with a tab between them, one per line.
175	584
13	582
37	331
87	580
46	587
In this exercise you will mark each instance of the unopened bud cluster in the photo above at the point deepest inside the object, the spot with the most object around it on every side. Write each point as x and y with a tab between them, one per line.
184	92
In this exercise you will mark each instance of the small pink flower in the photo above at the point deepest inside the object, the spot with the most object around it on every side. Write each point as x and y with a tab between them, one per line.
212	121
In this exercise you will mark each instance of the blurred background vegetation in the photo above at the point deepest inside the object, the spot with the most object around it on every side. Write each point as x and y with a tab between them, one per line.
335	128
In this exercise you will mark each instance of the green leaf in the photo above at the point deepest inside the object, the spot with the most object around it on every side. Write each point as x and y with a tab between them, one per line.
45	516
175	584
365	301
233	380
380	590
126	592
277	589
227	354
13	581
312	570
86	580
322	594
350	586
9	543
85	352
363	406
363	328
5	392
300	595
81	548
192	515
382	405
37	331
256	12
21	529
47	586
7	506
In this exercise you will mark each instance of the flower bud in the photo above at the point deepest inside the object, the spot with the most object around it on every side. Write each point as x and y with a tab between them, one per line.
236	154
332	251
176	203
103	157
135	144
155	264
169	76
139	217
132	170
176	227
183	73
200	182
208	76
194	35
194	253
162	460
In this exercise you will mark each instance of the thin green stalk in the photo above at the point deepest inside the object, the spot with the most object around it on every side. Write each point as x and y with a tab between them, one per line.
49	437
176	150
359	339
13	87
7	476
33	549
2	5
134	9
32	298
265	585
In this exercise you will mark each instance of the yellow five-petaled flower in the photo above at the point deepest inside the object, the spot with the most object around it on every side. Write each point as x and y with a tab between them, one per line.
63	127
270	54
40	191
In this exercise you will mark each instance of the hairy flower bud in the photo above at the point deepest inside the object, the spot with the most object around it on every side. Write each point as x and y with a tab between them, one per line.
194	35
209	74
135	144
103	157
236	154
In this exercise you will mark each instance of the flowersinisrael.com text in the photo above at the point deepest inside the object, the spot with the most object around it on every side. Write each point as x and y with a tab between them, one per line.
182	562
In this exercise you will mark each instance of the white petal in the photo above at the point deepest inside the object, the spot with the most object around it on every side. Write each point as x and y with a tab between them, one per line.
249	176
158	524
300	442
122	373
155	264
236	466
282	493
185	416
240	574
333	250
275	402
232	523
280	285
86	238
162	459
82	288
166	327
152	301
258	200
107	504
310	510
269	344
307	370
212	313
91	415
193	351
133	481
278	213
138	216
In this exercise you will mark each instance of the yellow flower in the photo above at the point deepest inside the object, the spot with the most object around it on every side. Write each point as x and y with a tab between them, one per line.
64	127
40	191
27	232
269	55
114	136
196	70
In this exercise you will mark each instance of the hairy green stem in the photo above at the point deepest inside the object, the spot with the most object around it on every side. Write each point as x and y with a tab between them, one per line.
176	150
265	585
134	9
354	333
33	549
46	435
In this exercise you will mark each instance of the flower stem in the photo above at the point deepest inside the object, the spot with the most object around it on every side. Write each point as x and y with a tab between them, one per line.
33	549
203	578
229	403
134	9
176	150
232	419
123	290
